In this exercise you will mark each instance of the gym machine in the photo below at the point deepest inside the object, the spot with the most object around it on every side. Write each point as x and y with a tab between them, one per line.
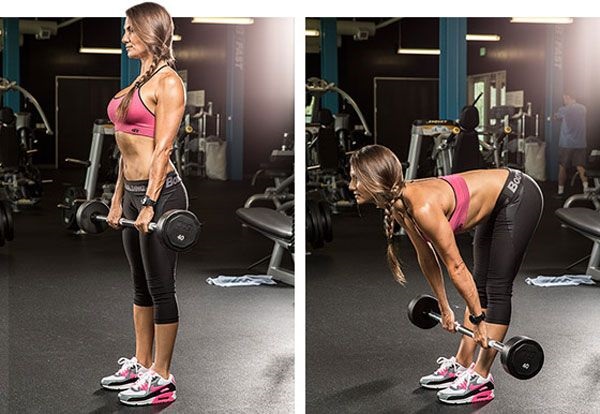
103	141
439	136
21	180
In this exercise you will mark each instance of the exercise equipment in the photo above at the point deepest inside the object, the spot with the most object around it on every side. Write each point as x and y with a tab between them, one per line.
586	222
21	179
178	230
319	228
277	227
7	218
440	134
281	170
521	357
103	150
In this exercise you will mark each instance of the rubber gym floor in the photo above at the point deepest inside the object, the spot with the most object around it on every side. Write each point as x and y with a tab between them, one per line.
364	355
69	314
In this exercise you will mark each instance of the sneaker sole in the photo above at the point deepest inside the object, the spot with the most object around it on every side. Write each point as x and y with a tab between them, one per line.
437	386
165	398
120	387
481	397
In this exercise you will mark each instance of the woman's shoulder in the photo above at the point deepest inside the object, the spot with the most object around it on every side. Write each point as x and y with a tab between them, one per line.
170	81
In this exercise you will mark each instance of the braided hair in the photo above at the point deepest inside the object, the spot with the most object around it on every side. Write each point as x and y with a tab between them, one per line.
380	174
154	26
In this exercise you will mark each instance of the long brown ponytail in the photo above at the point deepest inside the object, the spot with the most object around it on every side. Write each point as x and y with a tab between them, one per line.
154	26
380	173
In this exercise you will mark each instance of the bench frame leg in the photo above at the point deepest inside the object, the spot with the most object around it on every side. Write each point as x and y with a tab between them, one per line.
275	269
593	270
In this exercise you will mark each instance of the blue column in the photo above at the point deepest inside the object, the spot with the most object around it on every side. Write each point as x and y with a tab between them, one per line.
554	91
234	126
11	62
130	68
329	61
453	66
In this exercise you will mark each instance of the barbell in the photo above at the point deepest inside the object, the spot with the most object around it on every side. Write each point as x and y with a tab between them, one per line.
521	356
178	230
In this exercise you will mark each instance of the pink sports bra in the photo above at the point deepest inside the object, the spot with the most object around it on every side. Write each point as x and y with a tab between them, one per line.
462	197
139	119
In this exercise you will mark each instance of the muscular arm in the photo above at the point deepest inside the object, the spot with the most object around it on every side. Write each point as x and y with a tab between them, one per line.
169	111
433	223
428	262
117	197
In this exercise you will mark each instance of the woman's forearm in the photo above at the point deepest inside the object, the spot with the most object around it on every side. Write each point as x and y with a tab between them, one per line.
158	171
119	185
465	285
433	273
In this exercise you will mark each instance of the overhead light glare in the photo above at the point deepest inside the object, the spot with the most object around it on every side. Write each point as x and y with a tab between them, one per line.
223	20
404	51
483	37
542	20
100	50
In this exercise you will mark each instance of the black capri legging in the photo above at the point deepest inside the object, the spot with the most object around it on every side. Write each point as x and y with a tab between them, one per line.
501	241
153	266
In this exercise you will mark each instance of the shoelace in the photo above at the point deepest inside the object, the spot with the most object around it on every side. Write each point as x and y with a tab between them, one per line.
127	364
144	380
445	363
463	379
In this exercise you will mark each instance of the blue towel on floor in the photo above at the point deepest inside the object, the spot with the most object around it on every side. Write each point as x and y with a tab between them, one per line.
566	280
246	280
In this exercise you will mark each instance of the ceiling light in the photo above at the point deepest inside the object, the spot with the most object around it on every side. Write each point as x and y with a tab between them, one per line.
100	50
547	20
403	51
176	38
311	33
223	20
483	37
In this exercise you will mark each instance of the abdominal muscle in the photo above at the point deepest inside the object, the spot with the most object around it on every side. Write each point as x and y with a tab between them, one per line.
136	154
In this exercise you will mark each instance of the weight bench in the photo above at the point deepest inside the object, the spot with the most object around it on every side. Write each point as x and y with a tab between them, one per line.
586	222
277	227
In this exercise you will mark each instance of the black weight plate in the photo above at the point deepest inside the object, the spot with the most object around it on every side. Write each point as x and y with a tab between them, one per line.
72	194
9	228
318	241
179	229
328	229
2	225
310	227
418	309
86	213
523	358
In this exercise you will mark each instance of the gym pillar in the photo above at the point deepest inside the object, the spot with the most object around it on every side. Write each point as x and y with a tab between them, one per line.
234	119
554	90
11	62
453	66
329	61
130	68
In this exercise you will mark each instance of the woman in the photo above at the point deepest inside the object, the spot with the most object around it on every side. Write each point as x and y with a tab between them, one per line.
146	116
504	206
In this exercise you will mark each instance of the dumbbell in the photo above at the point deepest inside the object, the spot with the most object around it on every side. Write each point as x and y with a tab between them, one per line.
521	357
177	229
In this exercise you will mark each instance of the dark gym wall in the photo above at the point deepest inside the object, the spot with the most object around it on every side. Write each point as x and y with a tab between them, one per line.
203	52
521	52
360	61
